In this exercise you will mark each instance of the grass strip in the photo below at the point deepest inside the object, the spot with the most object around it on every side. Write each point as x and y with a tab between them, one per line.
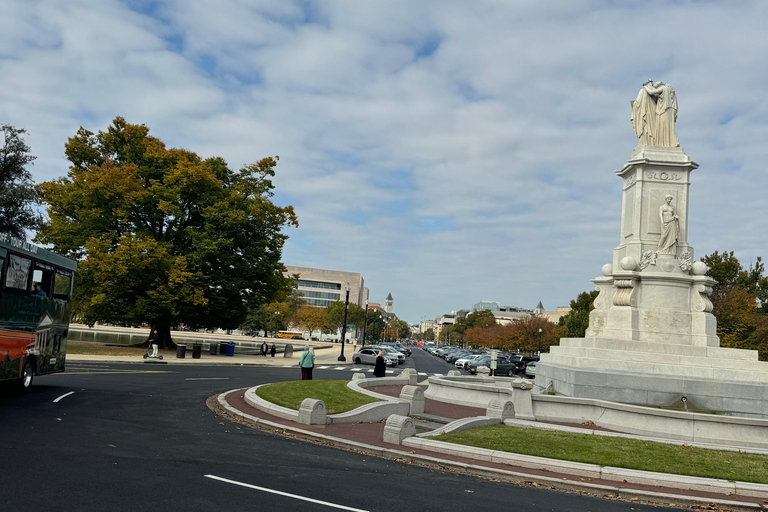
98	349
335	393
617	452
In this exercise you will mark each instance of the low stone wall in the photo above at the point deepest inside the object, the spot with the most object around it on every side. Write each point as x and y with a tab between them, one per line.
254	400
648	421
371	413
361	385
480	391
462	424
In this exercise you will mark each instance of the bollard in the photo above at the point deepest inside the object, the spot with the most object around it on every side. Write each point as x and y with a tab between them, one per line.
181	351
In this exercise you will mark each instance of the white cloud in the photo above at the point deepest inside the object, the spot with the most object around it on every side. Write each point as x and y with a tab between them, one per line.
448	151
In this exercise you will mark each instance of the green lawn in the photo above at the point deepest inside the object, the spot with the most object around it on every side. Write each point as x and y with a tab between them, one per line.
617	452
335	393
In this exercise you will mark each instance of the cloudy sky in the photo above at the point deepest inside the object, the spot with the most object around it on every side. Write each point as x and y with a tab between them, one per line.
450	152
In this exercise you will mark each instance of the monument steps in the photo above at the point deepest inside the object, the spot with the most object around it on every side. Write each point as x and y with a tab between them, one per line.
654	368
657	358
661	348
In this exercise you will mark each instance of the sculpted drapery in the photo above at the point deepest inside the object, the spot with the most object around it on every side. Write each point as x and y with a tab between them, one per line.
654	113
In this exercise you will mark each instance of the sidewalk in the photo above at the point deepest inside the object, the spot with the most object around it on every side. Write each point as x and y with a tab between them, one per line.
325	356
368	438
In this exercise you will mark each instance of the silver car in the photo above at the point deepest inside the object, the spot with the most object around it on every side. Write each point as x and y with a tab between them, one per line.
367	355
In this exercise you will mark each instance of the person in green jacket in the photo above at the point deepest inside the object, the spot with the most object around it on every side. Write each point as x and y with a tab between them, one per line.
307	363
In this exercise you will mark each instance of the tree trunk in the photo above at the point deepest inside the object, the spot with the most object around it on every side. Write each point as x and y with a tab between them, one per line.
164	339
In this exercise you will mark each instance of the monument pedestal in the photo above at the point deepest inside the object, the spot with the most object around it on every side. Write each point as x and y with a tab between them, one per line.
652	338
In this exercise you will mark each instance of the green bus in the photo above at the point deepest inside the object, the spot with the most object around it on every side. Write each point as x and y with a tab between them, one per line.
35	303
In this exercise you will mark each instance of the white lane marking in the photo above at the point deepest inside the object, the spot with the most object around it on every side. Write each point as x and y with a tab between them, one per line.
323	367
340	368
208	378
422	373
356	369
437	374
65	395
369	371
281	493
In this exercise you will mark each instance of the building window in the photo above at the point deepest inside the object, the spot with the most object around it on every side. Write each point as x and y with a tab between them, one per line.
317	284
321	295
319	302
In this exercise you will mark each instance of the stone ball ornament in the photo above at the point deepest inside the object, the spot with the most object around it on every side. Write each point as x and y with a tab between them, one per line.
628	263
699	268
607	270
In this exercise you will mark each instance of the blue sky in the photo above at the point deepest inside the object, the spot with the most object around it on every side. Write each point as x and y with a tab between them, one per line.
450	152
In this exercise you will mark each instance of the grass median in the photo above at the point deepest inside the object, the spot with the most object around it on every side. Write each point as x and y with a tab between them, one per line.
617	452
335	393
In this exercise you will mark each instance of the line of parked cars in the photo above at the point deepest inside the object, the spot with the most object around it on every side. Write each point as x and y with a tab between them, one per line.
394	354
508	364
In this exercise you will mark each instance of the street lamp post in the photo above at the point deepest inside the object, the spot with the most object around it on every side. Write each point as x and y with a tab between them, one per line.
365	323
539	340
344	327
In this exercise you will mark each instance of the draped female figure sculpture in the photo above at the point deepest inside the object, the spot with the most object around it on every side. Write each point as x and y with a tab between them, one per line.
670	228
654	113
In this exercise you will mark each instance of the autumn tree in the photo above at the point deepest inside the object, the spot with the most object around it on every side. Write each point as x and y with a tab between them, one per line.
576	321
739	302
310	318
164	236
17	193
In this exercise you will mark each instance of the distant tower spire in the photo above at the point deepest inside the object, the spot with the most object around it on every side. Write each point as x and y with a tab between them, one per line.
539	309
390	302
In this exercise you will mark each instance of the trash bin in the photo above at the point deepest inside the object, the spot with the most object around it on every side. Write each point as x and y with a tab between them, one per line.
197	350
214	348
288	350
181	351
223	348
231	348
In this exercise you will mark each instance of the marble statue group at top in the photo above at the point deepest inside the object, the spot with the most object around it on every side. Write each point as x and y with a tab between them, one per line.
654	113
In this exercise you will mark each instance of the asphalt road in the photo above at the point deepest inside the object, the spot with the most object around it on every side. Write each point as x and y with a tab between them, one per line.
140	437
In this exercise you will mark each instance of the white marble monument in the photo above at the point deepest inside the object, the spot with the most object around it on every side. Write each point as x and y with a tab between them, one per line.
652	338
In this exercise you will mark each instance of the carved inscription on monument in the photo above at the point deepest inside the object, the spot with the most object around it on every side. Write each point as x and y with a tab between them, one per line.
663	176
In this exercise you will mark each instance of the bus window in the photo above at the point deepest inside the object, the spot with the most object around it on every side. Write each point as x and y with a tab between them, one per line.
42	275
61	286
18	272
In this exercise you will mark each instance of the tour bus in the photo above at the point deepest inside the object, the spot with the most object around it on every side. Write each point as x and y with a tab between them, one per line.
35	298
294	335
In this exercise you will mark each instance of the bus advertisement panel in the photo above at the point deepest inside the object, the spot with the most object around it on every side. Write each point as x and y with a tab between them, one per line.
35	304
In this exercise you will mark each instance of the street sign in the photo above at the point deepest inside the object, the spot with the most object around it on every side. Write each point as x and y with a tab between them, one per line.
350	326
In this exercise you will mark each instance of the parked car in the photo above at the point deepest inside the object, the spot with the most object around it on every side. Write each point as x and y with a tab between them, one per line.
465	360
530	369
481	361
368	355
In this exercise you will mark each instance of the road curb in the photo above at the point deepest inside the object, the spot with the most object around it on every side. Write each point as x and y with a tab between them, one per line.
561	483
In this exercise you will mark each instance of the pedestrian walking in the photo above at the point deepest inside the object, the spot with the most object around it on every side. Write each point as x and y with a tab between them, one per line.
273	350
381	365
264	348
307	363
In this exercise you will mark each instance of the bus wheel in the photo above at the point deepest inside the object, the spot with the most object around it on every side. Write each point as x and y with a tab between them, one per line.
26	376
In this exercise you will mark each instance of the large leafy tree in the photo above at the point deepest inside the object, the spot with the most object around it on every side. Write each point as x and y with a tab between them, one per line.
576	321
163	235
17	193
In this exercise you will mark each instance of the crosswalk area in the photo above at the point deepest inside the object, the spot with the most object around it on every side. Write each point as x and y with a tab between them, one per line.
363	370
